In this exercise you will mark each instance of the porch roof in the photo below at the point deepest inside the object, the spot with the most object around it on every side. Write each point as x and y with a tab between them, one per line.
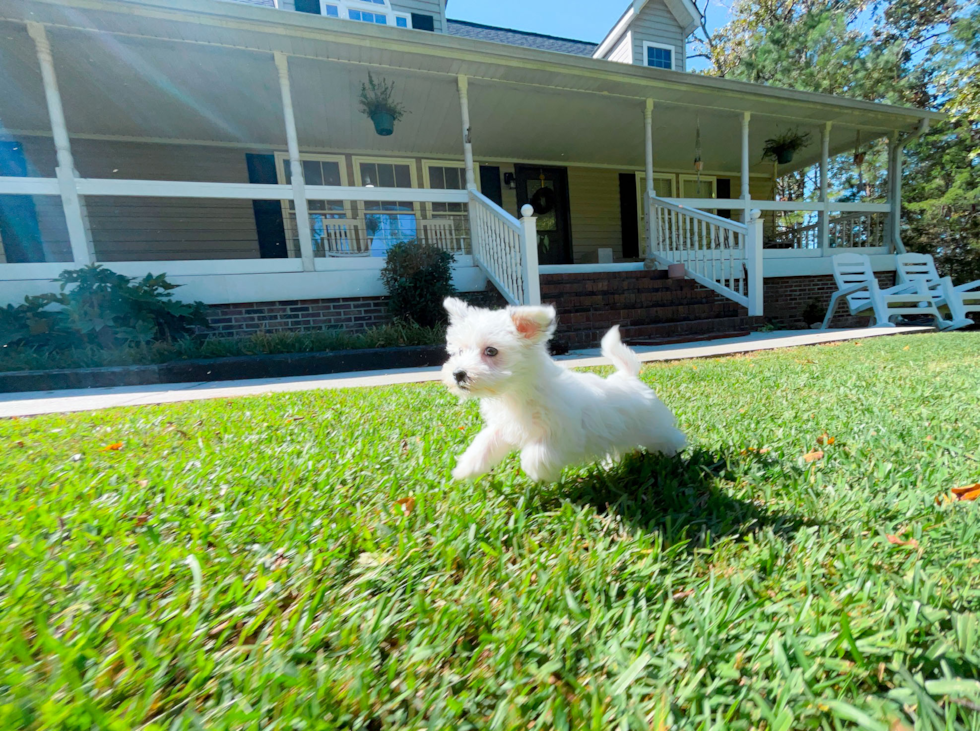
121	76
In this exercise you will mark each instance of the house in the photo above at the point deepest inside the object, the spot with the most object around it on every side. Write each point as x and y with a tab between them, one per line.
221	142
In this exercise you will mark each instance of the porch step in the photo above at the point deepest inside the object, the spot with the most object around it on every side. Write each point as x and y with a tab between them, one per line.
645	304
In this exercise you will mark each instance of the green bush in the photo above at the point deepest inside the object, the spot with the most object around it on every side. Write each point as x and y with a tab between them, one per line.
98	308
418	278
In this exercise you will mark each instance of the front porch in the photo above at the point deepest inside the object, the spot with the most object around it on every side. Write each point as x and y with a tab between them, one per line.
244	171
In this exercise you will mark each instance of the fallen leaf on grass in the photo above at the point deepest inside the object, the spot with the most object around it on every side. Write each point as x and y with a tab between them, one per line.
114	447
754	450
825	439
682	595
812	456
897	541
142	519
143	483
967	493
407	504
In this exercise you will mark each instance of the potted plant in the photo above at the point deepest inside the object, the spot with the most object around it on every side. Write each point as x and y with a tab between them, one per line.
782	148
812	315
377	104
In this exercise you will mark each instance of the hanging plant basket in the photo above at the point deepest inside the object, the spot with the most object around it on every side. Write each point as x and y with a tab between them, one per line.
781	149
384	123
377	104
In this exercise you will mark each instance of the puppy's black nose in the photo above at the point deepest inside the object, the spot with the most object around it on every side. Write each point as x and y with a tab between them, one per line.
460	376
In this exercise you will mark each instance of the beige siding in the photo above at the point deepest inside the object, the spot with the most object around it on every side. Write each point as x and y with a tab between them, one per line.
594	201
426	7
657	24
147	229
622	52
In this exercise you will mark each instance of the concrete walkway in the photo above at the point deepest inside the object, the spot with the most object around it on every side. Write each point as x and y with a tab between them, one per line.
51	402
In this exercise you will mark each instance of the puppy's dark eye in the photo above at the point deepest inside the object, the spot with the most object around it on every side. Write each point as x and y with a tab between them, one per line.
490	352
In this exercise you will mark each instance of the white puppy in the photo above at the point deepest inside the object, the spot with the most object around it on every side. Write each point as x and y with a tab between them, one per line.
554	416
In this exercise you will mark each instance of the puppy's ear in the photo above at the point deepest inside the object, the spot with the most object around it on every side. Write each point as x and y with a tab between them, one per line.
534	324
456	308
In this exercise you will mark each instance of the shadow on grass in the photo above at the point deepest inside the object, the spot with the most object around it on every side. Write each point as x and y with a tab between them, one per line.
678	497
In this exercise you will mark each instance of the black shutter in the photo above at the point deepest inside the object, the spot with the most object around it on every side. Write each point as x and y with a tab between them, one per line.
18	217
725	191
423	22
268	214
490	183
627	214
308	6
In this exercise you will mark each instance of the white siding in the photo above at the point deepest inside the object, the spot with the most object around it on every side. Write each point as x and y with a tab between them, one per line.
622	52
657	24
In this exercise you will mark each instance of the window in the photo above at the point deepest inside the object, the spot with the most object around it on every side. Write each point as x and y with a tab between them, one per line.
692	187
387	222
366	17
658	56
445	176
317	170
377	12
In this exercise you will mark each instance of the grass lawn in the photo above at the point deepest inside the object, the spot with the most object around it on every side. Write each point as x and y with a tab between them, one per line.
303	561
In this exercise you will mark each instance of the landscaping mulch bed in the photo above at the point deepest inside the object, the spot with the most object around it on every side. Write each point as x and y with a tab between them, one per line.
287	365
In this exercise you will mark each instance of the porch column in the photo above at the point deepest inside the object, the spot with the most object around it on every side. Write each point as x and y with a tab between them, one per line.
895	192
463	83
746	196
824	178
79	236
647	213
295	165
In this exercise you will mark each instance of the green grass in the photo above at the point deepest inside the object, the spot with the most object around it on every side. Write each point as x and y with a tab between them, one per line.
398	334
246	564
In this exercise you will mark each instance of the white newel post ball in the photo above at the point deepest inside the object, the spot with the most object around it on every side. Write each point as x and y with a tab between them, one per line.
527	210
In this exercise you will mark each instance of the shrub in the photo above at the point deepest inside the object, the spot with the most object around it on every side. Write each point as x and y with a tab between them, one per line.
418	278
97	307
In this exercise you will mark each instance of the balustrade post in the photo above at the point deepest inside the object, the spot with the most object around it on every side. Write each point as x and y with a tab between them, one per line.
529	260
754	263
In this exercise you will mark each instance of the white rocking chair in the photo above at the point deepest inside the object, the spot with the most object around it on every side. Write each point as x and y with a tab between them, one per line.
856	281
960	300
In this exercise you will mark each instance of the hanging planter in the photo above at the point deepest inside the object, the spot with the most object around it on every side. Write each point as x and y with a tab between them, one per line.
377	104
782	148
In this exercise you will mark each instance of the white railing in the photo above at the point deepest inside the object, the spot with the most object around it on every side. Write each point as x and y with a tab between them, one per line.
857	230
718	253
506	250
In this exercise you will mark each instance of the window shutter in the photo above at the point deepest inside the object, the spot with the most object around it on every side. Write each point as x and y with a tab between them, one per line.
268	214
308	6
19	230
490	183
724	191
421	21
627	214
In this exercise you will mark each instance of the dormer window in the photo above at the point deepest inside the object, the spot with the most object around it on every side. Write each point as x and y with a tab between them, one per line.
658	56
376	12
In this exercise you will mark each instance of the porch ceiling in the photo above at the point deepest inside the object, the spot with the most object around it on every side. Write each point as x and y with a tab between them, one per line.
202	70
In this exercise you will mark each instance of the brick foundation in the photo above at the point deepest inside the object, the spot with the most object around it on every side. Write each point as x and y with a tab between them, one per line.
785	299
353	314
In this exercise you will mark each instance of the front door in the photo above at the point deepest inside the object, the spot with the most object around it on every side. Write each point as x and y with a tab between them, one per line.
546	189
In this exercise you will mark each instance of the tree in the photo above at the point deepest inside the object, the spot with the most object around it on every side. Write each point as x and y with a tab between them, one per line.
923	53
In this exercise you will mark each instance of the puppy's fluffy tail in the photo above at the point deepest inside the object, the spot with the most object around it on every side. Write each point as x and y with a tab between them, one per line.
622	357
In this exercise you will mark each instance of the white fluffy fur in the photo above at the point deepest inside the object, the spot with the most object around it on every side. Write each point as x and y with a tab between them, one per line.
554	416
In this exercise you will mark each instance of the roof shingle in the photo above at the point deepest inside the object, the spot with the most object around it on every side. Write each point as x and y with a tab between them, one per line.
542	42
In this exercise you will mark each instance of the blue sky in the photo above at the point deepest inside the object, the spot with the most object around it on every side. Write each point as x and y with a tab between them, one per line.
585	20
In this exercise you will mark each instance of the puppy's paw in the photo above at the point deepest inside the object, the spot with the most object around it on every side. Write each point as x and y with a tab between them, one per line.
467	468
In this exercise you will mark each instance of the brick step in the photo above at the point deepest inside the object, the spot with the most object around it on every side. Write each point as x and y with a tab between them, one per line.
605	286
643	275
632	301
719	325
